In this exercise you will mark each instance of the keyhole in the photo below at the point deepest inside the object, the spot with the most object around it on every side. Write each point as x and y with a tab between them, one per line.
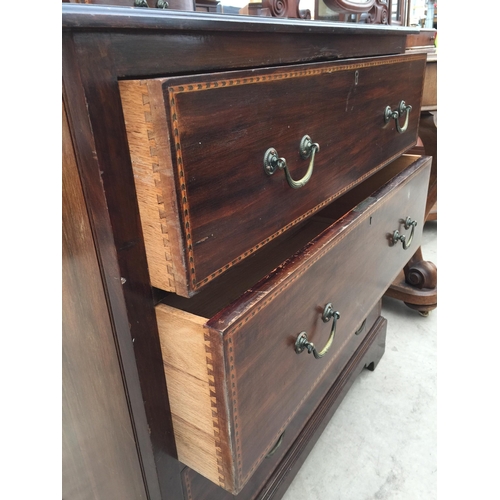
356	77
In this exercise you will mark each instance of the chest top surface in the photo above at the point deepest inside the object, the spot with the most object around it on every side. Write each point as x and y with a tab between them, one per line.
137	39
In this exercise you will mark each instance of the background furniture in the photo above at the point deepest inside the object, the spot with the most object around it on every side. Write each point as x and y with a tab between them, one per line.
207	5
394	12
139	87
372	11
416	285
276	8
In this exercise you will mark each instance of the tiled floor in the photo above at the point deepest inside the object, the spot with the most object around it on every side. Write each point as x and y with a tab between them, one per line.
381	442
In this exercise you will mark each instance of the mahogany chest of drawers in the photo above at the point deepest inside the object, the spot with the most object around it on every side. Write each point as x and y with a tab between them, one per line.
248	202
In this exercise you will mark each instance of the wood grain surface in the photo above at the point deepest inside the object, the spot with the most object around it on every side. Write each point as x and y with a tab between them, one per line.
95	119
221	125
99	454
102	46
350	264
189	371
149	142
275	473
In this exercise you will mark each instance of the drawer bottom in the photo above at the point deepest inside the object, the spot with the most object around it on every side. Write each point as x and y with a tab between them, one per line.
274	475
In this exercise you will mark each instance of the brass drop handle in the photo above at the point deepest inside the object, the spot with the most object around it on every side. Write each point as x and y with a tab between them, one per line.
273	162
396	236
302	343
403	109
278	443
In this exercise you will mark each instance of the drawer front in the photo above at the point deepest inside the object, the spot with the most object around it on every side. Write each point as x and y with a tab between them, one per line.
198	487
198	146
256	381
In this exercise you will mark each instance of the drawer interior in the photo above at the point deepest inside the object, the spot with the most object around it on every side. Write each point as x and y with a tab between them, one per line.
230	285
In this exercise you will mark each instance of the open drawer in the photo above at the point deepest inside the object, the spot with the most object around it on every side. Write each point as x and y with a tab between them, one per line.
236	366
313	414
209	154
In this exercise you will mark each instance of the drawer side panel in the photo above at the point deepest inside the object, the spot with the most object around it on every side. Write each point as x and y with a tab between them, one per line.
194	375
149	144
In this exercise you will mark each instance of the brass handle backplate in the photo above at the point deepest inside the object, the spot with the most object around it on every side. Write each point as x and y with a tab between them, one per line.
273	162
397	236
160	4
302	343
403	109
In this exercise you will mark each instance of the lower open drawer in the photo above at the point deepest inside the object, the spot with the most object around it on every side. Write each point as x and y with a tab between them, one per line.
293	446
236	374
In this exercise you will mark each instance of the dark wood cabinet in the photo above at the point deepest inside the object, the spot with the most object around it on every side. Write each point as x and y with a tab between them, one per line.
99	454
222	273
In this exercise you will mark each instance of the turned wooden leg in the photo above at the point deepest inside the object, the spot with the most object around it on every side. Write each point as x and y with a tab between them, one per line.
420	273
416	285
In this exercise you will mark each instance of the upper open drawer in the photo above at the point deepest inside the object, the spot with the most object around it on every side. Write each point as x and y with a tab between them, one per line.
208	153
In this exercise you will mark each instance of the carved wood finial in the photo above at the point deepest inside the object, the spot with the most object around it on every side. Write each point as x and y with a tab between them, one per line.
278	8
